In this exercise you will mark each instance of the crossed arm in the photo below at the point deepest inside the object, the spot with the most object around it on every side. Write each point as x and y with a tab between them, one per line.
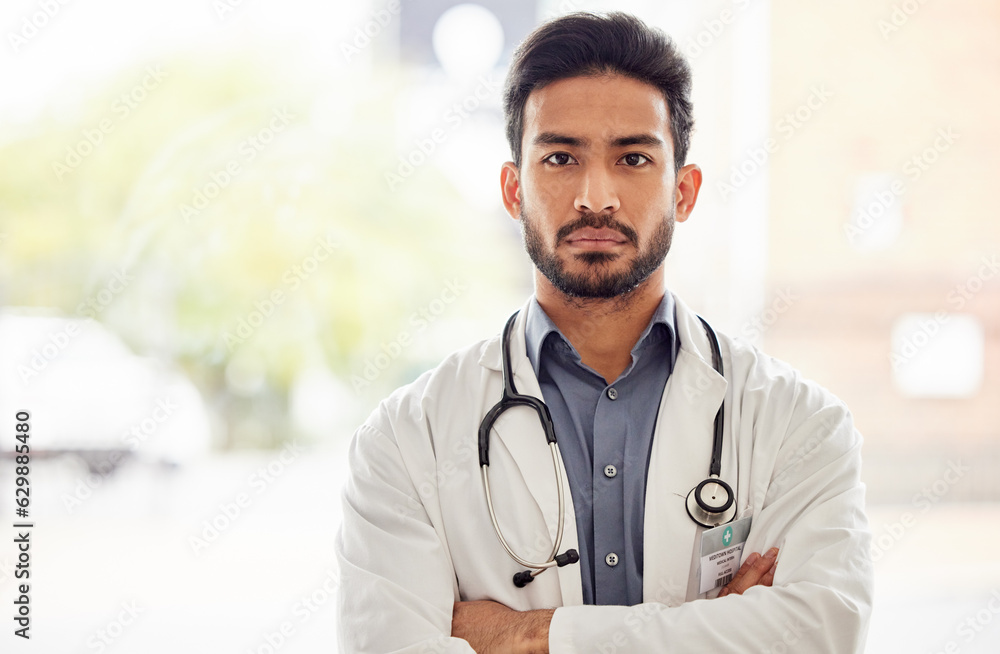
492	628
399	582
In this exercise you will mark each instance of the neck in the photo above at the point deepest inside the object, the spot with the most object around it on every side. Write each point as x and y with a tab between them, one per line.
603	331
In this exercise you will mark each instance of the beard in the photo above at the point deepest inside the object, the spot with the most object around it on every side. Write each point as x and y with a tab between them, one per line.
599	281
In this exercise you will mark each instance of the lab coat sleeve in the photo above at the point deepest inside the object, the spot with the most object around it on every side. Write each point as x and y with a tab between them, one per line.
812	507
397	585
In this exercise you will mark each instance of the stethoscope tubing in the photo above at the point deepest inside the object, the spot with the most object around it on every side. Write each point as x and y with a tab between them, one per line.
701	513
510	399
538	567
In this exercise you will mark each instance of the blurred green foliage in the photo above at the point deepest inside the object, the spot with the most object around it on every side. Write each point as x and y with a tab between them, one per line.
194	276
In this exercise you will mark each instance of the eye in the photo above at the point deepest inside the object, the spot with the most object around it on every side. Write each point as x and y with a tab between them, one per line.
634	159
559	159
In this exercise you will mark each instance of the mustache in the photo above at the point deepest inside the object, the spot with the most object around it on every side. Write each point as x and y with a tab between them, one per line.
598	221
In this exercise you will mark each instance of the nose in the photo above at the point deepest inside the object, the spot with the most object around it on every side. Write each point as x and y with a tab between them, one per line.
597	192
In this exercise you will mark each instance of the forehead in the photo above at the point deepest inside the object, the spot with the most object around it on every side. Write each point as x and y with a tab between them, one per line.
597	107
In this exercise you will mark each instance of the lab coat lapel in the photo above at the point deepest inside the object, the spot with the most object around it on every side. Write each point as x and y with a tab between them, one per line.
679	460
520	432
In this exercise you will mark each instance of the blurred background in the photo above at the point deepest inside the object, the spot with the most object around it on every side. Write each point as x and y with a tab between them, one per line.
228	228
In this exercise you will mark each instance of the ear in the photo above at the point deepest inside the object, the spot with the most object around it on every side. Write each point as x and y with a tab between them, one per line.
688	184
510	189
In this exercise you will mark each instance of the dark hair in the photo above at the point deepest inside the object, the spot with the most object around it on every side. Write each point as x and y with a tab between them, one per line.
583	44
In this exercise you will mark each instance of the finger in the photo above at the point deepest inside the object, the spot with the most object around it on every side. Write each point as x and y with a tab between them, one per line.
759	570
754	573
745	568
768	579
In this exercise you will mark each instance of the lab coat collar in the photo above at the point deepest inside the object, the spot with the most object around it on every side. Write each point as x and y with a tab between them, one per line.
683	436
692	339
490	357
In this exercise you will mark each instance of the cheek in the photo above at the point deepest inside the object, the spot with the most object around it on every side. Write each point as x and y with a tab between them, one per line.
652	197
547	190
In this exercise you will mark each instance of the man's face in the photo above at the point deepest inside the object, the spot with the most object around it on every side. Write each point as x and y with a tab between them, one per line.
595	192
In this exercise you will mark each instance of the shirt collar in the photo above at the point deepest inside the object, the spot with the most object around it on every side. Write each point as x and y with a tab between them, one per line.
538	326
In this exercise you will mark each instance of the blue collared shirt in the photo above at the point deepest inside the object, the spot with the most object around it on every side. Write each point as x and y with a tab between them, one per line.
605	433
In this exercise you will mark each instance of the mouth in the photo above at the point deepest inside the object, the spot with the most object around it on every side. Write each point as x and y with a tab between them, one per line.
592	238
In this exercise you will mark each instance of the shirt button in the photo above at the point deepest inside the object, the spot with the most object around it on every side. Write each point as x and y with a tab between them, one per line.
611	559
610	471
612	394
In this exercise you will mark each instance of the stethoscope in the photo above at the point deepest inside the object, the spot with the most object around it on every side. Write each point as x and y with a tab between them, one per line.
709	504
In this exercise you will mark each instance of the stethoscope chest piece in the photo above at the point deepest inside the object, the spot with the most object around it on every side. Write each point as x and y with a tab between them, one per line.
710	503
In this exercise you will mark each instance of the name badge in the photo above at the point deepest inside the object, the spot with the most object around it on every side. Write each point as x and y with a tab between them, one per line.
721	553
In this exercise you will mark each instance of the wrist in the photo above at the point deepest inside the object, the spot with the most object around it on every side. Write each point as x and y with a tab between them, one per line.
535	631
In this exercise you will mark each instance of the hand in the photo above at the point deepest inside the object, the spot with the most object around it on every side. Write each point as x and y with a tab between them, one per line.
491	627
757	570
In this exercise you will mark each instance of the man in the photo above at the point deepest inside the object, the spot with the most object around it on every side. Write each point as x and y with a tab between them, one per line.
598	119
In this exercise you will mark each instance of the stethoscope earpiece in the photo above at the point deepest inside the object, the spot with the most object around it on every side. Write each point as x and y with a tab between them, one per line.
525	577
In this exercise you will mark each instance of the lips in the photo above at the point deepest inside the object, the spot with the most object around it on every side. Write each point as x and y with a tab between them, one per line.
594	235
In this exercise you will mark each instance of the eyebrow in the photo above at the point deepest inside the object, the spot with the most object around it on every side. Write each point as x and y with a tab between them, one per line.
637	139
554	138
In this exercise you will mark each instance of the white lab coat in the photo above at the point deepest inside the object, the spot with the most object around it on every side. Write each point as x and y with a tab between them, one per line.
416	533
